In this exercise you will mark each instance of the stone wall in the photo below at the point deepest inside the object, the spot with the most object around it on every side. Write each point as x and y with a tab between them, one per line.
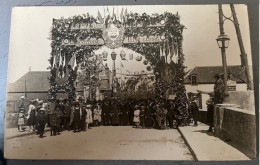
236	126
245	99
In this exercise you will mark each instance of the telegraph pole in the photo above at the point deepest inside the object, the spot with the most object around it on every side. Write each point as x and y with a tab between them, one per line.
223	49
243	55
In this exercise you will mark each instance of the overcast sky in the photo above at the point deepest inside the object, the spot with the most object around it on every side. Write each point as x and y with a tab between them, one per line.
30	28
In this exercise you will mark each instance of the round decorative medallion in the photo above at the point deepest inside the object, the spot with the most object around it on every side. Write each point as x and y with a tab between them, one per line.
113	35
168	71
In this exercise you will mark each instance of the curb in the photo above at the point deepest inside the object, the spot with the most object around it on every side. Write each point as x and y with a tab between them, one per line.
25	134
187	143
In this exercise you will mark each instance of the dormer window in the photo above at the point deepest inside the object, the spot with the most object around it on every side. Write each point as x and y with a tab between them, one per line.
194	80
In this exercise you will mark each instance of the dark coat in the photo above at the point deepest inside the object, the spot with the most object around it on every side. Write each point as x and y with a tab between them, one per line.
106	113
124	114
76	116
194	109
210	114
115	113
41	120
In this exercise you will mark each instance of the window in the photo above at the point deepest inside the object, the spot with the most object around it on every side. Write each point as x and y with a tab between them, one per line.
193	80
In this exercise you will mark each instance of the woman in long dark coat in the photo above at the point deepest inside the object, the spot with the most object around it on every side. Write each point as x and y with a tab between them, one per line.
105	112
41	121
210	114
194	109
124	118
76	117
115	113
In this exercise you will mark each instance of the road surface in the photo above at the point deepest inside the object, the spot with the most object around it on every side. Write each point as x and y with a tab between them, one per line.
104	142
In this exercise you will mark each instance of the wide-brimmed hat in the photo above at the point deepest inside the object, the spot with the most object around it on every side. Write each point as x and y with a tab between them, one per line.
42	109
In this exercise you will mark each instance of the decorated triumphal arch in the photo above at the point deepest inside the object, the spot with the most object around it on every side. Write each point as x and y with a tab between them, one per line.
157	37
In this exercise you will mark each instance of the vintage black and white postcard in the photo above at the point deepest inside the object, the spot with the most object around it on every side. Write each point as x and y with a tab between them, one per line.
166	82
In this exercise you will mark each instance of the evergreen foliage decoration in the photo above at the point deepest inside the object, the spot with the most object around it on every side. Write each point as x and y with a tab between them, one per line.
136	26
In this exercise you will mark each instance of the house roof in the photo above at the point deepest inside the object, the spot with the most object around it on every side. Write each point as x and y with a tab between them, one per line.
36	81
205	74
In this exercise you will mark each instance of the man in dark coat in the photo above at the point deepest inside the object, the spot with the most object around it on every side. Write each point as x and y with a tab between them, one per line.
76	117
132	104
67	114
149	115
142	115
115	112
105	112
159	116
50	109
124	110
62	114
83	117
194	109
53	123
170	114
218	89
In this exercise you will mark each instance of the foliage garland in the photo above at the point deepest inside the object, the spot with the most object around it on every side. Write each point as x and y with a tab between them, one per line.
136	25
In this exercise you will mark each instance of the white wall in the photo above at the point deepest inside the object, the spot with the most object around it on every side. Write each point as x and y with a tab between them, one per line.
209	88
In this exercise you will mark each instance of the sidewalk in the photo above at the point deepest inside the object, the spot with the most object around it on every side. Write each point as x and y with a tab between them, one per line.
13	132
206	147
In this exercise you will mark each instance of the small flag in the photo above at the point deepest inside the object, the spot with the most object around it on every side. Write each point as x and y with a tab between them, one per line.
125	11
163	51
161	54
54	61
105	13
172	49
113	14
108	12
75	63
99	18
121	15
60	61
64	66
169	53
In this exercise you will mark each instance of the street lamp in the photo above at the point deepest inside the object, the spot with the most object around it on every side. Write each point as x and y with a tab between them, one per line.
223	42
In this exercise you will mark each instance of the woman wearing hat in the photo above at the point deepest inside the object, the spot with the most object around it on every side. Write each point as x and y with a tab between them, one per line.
32	116
76	117
210	114
21	117
136	116
89	118
97	115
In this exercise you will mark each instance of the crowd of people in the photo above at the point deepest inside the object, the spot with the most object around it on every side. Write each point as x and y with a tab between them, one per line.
78	115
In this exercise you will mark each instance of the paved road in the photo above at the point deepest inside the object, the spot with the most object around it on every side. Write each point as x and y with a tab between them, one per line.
105	142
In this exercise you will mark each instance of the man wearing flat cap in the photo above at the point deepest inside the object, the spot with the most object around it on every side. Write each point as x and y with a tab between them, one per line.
218	89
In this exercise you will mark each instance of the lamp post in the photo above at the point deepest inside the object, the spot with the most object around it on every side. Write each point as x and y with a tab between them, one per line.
113	56
223	41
